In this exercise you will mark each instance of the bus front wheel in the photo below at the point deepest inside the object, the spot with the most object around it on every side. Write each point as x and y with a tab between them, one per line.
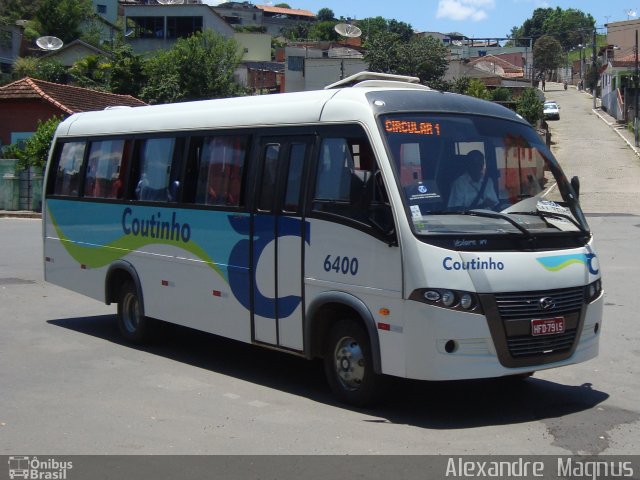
349	366
133	326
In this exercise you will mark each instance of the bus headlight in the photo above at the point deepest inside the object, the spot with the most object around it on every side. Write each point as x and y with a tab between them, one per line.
448	298
593	291
466	301
451	299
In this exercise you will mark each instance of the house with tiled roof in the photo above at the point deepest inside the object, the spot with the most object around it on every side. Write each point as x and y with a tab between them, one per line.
25	102
497	66
275	19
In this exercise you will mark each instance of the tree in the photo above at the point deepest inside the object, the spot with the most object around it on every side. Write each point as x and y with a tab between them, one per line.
62	18
460	84
12	10
501	94
422	57
36	148
24	67
547	54
323	31
378	25
282	5
48	70
51	71
126	72
197	67
325	14
90	72
570	27
529	106
478	89
296	32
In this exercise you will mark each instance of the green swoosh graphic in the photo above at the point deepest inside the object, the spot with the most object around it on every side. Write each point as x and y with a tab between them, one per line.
558	262
102	255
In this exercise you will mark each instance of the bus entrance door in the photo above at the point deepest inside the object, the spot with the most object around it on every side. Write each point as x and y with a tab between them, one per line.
279	236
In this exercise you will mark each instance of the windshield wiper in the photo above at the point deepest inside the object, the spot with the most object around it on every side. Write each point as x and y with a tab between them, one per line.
545	214
497	215
484	213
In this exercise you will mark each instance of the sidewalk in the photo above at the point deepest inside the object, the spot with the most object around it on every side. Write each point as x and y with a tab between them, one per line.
619	128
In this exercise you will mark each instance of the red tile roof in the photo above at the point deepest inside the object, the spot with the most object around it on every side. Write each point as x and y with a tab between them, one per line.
627	59
505	65
499	66
65	97
286	11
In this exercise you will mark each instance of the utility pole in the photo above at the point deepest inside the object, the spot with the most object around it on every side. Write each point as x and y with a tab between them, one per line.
594	74
635	84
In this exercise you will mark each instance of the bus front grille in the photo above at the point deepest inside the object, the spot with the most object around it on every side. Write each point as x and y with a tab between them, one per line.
523	305
528	345
510	316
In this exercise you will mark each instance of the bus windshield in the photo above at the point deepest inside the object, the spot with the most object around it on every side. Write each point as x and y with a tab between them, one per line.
474	174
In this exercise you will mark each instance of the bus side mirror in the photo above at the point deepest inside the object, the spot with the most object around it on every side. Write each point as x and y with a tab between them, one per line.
575	184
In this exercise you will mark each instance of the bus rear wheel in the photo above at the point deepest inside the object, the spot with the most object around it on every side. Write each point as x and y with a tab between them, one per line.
349	366
133	326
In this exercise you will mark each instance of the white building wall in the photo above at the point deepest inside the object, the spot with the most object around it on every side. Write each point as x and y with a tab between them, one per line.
255	47
320	72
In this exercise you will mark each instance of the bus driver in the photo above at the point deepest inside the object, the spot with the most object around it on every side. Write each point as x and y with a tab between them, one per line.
472	189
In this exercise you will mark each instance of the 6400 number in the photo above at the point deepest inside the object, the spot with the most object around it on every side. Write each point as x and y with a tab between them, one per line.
339	264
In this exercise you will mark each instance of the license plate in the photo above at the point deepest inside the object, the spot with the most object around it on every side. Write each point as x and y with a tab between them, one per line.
547	326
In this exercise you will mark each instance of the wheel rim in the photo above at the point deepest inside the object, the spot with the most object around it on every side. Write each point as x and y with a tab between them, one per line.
349	363
131	313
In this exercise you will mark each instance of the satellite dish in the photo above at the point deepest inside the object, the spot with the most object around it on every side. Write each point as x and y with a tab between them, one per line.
631	13
49	43
347	30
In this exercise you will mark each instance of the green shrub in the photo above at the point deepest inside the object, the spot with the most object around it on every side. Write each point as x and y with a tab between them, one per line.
36	148
529	106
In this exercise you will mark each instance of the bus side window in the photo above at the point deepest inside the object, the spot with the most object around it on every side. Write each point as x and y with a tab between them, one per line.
345	178
105	170
215	169
67	169
157	171
269	172
294	177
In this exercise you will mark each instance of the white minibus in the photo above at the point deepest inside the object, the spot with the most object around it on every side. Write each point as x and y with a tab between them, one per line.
387	228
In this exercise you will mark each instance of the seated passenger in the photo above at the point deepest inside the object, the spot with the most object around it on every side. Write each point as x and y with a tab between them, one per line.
472	189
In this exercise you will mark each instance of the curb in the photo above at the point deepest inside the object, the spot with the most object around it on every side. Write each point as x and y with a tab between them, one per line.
612	125
19	214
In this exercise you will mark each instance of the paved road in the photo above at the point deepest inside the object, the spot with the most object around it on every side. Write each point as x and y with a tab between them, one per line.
68	384
585	146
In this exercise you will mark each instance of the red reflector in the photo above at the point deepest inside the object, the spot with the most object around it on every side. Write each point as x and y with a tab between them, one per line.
165	283
217	293
384	326
83	267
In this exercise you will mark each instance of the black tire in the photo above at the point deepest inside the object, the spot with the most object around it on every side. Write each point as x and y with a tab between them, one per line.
348	365
133	326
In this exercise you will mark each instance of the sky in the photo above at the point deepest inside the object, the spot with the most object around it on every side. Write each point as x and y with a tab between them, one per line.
473	18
